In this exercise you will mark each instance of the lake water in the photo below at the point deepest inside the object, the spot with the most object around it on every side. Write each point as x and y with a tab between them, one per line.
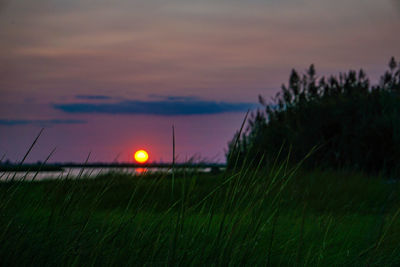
79	172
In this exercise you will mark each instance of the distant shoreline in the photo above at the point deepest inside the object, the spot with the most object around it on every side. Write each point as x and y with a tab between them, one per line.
56	167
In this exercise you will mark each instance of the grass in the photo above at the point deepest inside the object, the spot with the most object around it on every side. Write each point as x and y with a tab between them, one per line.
245	217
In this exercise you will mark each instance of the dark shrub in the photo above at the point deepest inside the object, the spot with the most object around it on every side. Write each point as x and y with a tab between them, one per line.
350	123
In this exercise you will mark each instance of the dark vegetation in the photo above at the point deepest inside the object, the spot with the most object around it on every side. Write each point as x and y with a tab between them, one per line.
247	217
346	121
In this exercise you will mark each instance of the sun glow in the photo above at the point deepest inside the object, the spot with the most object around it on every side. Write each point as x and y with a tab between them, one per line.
141	156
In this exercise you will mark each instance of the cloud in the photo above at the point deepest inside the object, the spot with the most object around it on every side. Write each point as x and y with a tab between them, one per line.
40	122
169	107
93	97
174	98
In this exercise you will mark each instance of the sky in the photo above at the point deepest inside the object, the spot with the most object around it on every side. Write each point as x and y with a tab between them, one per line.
108	77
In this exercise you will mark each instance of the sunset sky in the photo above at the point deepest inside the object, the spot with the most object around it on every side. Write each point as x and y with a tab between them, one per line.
110	77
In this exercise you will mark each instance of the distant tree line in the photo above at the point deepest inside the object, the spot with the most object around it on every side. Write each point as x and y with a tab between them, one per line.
349	122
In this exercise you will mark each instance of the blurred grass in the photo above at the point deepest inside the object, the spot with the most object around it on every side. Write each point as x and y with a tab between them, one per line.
243	217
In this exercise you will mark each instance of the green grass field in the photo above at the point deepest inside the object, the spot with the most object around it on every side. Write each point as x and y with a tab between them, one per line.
247	217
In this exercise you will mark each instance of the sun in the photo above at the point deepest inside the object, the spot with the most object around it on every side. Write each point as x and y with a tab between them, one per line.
141	156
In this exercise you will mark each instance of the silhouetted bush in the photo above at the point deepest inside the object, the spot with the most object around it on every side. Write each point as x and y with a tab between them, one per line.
350	123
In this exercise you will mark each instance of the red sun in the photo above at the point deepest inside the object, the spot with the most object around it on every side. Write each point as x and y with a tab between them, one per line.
141	156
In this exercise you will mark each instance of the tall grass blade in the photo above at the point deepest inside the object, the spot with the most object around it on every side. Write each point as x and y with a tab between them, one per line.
83	168
43	164
237	140
173	161
32	145
28	152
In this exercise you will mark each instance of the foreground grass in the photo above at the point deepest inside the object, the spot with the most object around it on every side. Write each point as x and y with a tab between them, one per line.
248	217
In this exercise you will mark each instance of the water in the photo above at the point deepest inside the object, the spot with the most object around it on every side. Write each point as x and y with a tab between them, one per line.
79	172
